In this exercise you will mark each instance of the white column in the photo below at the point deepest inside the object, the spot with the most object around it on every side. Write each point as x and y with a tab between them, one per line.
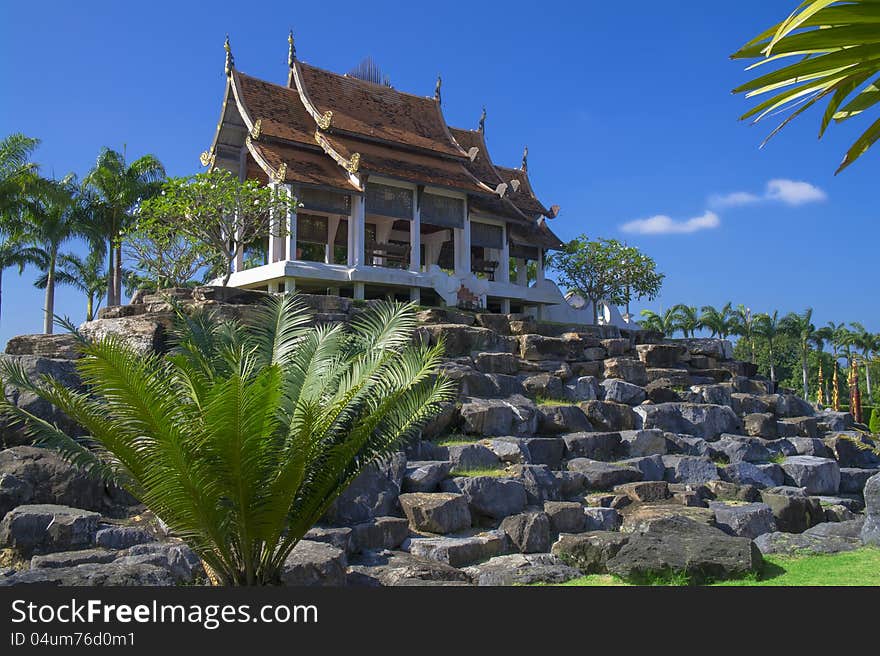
332	227
502	273
522	272
415	235
356	232
290	240
463	248
273	234
539	266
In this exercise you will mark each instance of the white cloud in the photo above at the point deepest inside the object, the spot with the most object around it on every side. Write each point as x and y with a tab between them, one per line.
664	225
793	192
780	190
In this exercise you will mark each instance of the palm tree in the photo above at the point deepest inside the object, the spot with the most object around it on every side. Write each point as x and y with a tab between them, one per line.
242	438
834	46
870	344
50	221
800	326
686	319
16	172
743	325
768	326
662	323
118	187
719	322
85	274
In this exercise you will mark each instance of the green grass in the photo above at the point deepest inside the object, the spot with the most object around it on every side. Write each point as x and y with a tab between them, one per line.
778	458
494	472
547	400
455	440
861	567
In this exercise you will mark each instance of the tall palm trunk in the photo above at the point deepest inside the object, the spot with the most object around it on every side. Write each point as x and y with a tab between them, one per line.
805	371
49	306
868	377
111	296
772	362
117	274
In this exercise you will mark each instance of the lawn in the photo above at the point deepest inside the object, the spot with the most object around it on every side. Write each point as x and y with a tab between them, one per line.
860	567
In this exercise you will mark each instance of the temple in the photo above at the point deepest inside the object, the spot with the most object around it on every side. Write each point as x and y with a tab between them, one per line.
391	201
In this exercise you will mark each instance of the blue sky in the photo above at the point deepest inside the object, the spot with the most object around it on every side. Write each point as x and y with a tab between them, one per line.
628	116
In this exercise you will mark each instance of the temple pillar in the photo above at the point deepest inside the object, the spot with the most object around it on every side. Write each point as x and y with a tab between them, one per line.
502	273
415	236
289	245
332	227
462	243
356	232
522	272
539	266
359	291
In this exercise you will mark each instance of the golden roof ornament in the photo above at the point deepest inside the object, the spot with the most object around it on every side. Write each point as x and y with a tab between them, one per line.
291	50
437	89
525	160
281	173
324	121
206	158
230	60
257	129
354	163
482	127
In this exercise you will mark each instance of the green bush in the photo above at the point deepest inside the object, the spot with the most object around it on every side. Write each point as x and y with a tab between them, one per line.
874	424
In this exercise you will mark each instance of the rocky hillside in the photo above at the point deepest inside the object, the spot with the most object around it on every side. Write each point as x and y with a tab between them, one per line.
570	450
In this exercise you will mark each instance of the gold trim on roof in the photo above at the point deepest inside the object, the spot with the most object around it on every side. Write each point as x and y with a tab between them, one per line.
256	129
230	60
207	158
324	121
354	163
281	173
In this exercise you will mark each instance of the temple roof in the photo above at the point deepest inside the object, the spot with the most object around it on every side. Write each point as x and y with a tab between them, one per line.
300	165
374	111
524	197
279	109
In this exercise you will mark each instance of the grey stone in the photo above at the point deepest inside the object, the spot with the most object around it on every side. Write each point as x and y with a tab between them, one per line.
44	528
539	482
816	475
380	533
638	443
793	514
741	448
145	334
602	475
660	355
528	532
627	369
73	558
490	497
314	564
94	574
63	346
853	480
853	450
745	473
789	544
639	518
471	456
687	445
372	494
436	513
545	450
565	516
609	416
589	552
596	446
425	475
558	419
644	491
496	363
851	528
747	521
494	417
571	483
652	467
871	530
122	537
521	569
340	537
700	420
459	551
510	449
760	424
620	391
585	388
602	519
691	470
393	568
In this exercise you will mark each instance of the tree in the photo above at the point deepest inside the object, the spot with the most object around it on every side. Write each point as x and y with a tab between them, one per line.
743	325
801	327
164	257
834	46
242	437
686	319
768	326
720	322
51	219
118	188
870	345
214	213
662	323
606	270
85	274
16	173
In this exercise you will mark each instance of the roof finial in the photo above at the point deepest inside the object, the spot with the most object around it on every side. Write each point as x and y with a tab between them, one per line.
291	50
437	89
482	127
230	60
525	161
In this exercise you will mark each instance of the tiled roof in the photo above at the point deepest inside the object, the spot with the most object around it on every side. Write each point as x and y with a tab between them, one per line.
481	166
279	110
304	166
524	198
536	234
377	112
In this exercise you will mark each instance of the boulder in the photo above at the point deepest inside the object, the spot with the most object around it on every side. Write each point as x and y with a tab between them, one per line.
74	558
800	446
660	355
544	450
341	537
145	333
314	564
496	363
521	569
660	391
596	446
528	532
720	349
652	467
440	512
589	552
603	475
790	405
392	568
379	533
644	491
459	551
602	519
538	347
746	521
44	528
670	378
173	556
620	391
122	537
700	420
465	457
816	475
639	443
745	473
640	517
793	514
691	470
539	482
853	450
372	494
60	347
678	546
510	450
565	516
489	497
461	340
740	448
802	426
425	475
853	480
788	544
871	530
544	385
609	416
514	416
94	575
585	388
558	419
760	424
626	369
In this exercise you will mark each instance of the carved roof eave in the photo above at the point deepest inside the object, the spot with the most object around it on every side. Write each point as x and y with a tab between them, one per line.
208	157
446	127
552	212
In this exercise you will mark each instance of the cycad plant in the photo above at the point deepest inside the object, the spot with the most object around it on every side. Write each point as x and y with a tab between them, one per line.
241	438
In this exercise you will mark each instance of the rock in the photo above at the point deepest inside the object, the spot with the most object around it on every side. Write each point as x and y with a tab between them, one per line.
571	484
700	420
789	405
652	467
603	475
644	491
800	446
466	457
544	450
557	419
639	518
609	416
314	564
620	391
61	347
589	552
680	546
816	475
788	544
726	491
853	450
853	480
425	475
660	391
739	448
521	569
341	537
629	370
585	388
174	556
596	446
639	443
490	497
73	558
538	347
379	533
43	528
674	378
717	394
496	363
745	473
436	513
836	421
528	532
514	416
94	574
838	513
459	551
802	426
461	340
144	334
539	482
687	445
372	494
544	385
793	514
746	521
660	355
720	349
510	450
565	516
871	530
122	537
851	528
602	519
760	424
391	568
691	470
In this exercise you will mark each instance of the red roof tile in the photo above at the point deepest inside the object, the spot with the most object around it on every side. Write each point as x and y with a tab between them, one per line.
279	110
524	198
303	166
